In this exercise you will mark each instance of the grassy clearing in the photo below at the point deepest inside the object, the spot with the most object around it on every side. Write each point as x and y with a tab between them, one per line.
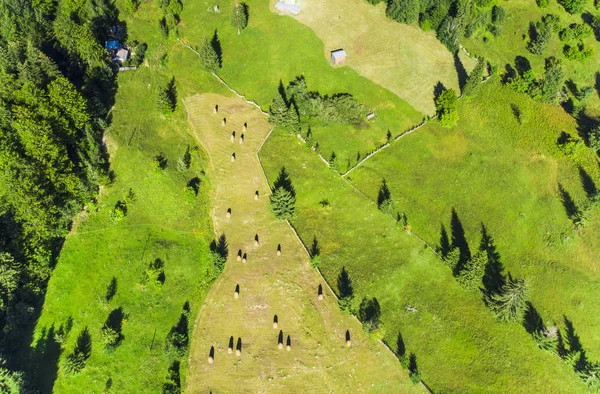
163	221
459	345
274	48
493	170
401	58
511	43
270	285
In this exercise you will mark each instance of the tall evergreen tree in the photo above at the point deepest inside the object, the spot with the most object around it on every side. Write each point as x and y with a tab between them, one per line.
209	57
511	303
278	112
474	79
239	16
472	273
283	203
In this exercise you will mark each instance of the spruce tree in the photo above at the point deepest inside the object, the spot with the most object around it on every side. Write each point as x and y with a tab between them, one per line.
239	16
292	121
209	57
283	203
278	112
471	275
510	304
474	79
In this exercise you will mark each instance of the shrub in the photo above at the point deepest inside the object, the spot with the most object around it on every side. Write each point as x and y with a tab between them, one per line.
573	6
542	33
474	78
498	15
77	360
594	139
578	52
177	340
542	3
109	337
575	32
119	211
403	11
369	313
160	162
445	105
315	261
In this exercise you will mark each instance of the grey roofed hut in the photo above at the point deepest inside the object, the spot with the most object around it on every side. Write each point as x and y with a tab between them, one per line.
338	56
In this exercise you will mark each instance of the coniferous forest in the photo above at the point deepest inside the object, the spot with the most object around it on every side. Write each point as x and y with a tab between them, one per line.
56	88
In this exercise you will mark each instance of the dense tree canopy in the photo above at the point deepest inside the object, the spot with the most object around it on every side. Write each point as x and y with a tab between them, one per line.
56	86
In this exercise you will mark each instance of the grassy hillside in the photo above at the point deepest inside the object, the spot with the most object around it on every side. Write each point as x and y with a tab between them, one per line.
459	345
506	175
513	42
404	59
274	48
163	221
270	285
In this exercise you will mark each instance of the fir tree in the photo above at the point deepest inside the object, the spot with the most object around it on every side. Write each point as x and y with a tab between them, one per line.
209	57
511	303
474	79
471	275
278	112
283	203
239	16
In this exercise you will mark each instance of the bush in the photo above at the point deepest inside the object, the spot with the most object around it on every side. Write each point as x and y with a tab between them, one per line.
119	211
160	162
573	6
77	360
578	52
575	32
542	3
446	108
542	34
498	15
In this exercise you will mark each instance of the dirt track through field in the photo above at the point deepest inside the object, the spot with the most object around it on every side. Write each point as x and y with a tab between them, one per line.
285	285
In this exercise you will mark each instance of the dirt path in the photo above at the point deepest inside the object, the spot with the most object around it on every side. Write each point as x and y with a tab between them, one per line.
285	285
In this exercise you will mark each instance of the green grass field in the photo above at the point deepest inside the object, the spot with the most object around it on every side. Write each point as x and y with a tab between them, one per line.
460	347
274	48
493	170
270	285
163	221
402	58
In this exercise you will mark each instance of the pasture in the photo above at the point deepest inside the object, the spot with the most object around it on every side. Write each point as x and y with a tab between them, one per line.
493	170
458	343
163	221
401	58
269	284
277	48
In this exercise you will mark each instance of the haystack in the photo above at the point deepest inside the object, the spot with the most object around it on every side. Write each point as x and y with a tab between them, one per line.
275	322
278	249
237	292
348	342
230	347
238	347
288	344
320	292
211	355
280	340
224	122
228	214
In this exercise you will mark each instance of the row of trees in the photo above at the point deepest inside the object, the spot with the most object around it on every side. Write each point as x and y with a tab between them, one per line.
56	87
295	104
547	89
452	20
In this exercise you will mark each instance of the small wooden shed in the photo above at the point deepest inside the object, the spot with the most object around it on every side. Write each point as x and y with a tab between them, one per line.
338	56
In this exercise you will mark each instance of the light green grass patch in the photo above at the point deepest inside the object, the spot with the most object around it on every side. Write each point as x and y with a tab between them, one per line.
460	347
163	221
494	171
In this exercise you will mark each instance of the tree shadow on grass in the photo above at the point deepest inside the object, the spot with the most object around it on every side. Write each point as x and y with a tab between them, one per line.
444	246
576	349
437	90
493	278
283	180
589	187
384	193
315	250
111	289
344	284
571	209
220	246
459	240
216	44
532	321
460	71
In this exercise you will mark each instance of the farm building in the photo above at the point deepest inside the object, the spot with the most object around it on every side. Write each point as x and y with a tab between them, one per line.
122	55
288	7
338	56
